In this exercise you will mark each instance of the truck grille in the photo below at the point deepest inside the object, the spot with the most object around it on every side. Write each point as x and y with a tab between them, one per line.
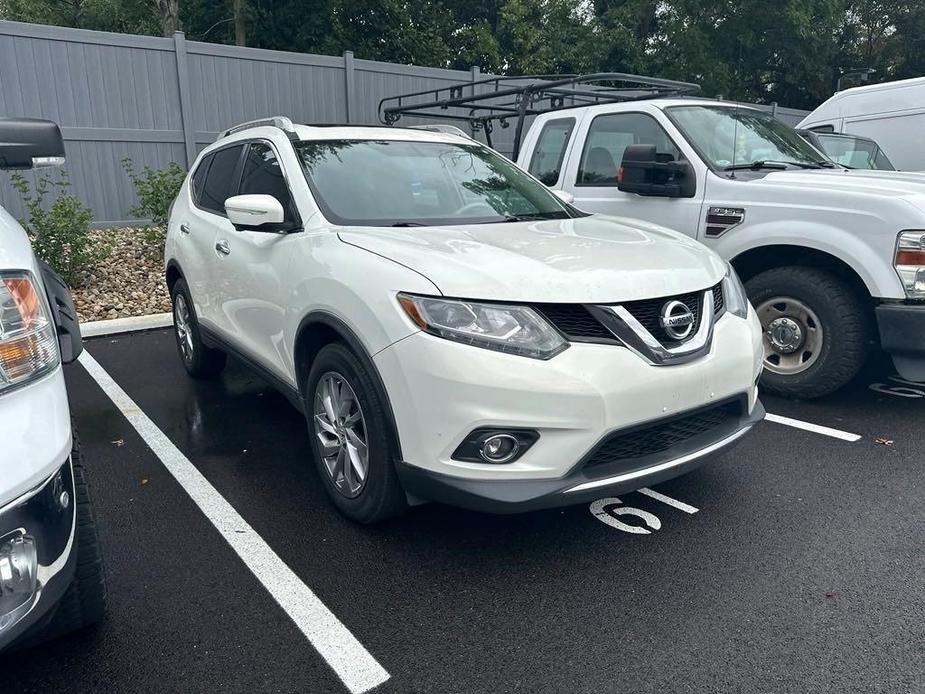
660	436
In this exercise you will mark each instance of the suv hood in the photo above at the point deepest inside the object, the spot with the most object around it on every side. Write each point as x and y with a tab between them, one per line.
594	259
15	250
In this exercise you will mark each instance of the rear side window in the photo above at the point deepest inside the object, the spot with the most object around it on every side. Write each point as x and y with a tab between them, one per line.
546	162
200	176
219	184
263	175
609	135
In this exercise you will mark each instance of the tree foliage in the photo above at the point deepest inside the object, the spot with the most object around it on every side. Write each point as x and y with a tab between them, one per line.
790	51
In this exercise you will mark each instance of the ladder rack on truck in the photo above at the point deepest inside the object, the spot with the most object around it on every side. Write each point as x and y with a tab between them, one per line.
483	103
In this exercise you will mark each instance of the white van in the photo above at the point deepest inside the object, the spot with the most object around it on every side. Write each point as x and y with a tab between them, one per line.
892	114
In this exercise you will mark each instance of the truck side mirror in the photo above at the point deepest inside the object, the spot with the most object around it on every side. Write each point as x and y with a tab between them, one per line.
27	143
645	172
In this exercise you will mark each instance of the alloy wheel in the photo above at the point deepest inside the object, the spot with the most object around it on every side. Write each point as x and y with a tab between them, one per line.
792	335
181	322
341	430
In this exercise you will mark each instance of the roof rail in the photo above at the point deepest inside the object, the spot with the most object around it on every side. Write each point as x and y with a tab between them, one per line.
496	100
280	122
442	128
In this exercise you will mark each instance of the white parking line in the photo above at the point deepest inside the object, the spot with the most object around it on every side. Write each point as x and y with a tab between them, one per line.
815	428
355	666
658	496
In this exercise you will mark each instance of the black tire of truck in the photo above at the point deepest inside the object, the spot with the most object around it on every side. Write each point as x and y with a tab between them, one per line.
84	602
845	322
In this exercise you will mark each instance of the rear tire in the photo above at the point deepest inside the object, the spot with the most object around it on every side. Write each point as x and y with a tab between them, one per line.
200	361
818	302
84	602
379	494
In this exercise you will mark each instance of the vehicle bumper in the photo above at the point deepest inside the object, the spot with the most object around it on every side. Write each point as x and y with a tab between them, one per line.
582	485
902	336
41	516
440	391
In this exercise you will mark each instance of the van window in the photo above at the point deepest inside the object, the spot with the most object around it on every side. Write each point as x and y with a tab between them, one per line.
263	175
546	162
220	182
609	135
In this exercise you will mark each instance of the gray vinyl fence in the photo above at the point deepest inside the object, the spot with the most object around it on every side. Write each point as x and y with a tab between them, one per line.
156	100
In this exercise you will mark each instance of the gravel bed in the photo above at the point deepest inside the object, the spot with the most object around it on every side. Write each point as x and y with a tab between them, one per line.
129	282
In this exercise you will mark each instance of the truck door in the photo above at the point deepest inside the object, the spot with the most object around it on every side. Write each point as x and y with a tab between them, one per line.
594	161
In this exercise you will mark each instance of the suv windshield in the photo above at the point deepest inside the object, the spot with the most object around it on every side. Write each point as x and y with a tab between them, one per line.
406	183
743	138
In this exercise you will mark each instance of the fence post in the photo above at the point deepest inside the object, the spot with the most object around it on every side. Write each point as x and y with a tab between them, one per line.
186	116
349	85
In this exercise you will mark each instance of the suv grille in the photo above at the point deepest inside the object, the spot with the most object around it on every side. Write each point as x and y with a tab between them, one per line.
660	436
578	325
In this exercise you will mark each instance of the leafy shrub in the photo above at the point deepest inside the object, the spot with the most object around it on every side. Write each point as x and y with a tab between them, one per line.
156	190
60	232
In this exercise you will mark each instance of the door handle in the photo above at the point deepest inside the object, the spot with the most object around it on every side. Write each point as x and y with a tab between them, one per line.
222	247
184	228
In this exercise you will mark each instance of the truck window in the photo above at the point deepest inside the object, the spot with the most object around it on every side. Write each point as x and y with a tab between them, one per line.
546	161
609	135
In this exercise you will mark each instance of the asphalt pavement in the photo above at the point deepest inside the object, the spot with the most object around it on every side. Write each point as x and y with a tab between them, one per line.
794	563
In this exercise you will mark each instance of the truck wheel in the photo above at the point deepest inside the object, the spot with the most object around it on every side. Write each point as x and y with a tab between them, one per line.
198	360
351	437
84	603
816	330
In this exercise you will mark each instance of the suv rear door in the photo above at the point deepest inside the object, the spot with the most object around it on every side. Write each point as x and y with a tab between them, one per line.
208	226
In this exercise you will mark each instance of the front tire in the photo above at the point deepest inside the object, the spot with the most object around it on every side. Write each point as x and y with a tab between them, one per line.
816	330
351	438
200	362
84	602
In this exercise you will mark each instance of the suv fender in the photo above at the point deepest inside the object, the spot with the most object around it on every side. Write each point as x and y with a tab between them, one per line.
320	328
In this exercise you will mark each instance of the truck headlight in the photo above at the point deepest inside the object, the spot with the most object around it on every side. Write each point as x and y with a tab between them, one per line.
734	294
910	263
501	327
28	340
18	571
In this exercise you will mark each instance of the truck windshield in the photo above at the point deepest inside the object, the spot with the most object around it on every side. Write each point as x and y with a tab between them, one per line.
743	138
854	152
410	183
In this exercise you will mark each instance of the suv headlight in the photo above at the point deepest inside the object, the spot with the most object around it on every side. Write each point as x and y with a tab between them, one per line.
734	294
28	343
501	327
910	263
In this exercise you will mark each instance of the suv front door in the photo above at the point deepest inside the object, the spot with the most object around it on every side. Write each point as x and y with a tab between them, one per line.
251	273
594	162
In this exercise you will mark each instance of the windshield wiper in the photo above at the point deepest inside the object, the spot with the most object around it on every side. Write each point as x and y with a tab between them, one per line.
408	224
778	165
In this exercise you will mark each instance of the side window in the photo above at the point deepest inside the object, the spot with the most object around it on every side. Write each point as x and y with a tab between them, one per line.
219	181
199	178
546	162
263	176
609	135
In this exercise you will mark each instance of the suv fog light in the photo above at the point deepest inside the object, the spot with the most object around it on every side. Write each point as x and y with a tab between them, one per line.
499	448
18	564
496	446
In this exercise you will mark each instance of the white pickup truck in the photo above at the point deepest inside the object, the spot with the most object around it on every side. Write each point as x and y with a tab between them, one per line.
833	259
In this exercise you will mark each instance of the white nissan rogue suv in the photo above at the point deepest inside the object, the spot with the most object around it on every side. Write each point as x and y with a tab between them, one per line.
452	330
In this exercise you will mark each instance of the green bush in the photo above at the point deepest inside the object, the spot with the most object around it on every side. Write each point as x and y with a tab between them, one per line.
60	232
156	190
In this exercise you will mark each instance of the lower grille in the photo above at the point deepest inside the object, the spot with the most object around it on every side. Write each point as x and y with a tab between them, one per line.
660	436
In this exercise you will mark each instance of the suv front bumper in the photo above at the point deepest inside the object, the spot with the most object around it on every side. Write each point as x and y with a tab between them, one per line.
45	516
902	336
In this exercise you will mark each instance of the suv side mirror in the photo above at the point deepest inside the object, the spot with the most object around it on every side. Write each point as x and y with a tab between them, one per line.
255	213
642	172
27	143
